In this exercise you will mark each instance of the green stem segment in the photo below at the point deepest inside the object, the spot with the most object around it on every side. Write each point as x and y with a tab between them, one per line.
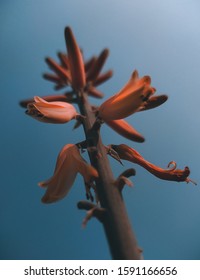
121	239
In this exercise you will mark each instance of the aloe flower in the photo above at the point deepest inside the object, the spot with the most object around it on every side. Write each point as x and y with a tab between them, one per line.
51	112
126	130
69	164
172	174
128	101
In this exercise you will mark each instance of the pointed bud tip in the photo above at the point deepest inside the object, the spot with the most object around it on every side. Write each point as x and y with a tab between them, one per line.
68	31
45	200
165	97
106	51
23	104
139	139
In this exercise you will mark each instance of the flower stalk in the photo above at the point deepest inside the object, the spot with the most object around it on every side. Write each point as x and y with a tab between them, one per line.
136	96
121	239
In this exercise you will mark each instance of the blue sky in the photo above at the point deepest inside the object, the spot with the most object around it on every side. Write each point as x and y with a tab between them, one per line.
158	38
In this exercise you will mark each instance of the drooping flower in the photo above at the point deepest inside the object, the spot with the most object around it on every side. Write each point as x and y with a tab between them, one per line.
172	174
128	100
69	164
126	130
76	63
51	112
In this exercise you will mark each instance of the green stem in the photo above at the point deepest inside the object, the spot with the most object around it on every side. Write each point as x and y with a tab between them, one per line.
121	239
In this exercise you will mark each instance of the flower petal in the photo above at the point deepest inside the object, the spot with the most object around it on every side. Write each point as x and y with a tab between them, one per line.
86	170
153	102
64	175
69	163
50	98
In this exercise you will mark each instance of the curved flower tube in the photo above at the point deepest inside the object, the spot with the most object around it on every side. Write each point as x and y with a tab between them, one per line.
51	112
126	130
130	98
172	174
69	163
76	64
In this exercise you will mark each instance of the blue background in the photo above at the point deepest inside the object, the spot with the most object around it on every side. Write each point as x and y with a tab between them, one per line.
158	38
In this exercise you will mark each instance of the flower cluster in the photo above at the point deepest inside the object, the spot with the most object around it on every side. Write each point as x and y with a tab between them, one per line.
83	77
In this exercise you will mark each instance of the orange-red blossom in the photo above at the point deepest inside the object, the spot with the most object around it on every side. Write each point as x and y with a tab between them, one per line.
51	112
172	174
69	164
129	99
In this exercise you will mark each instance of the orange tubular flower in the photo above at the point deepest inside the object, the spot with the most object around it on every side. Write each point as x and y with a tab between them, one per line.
76	63
51	112
172	174
130	98
126	130
69	163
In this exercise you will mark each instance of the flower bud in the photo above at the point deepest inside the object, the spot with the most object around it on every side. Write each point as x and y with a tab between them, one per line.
51	112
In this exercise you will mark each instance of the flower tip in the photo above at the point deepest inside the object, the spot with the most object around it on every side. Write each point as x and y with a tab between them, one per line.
69	36
46	199
68	31
135	74
164	98
140	139
106	52
47	59
23	103
41	184
76	63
